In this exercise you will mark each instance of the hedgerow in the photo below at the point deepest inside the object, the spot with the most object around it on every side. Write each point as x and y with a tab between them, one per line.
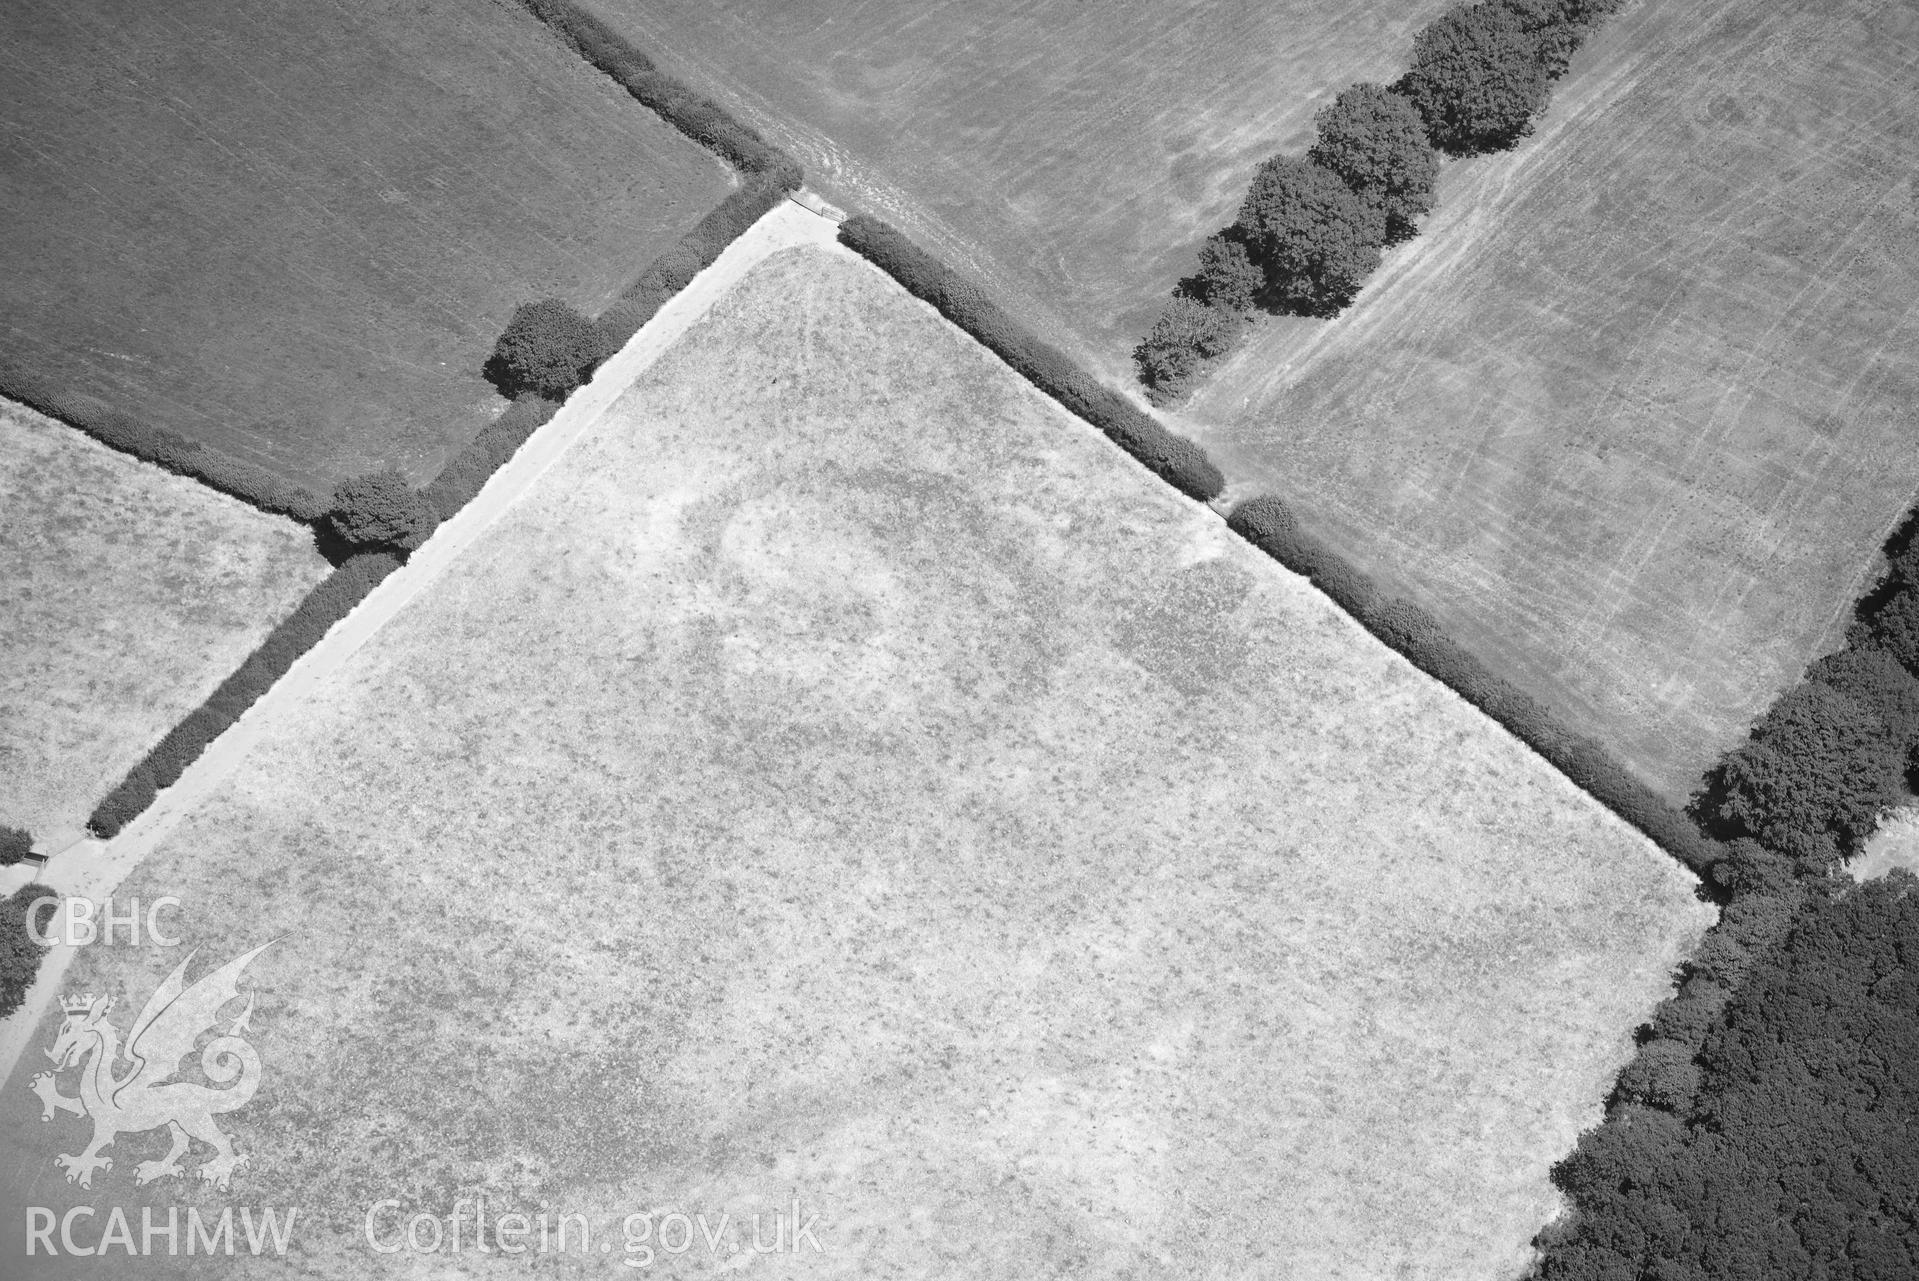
325	605
20	955
1173	458
15	845
174	452
547	351
696	116
697	250
469	470
1269	525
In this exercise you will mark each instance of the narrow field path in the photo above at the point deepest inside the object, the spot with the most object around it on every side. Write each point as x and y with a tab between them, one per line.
93	869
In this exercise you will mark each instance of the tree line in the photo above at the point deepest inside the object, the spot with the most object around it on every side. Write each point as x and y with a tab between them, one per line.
1837	748
1786	1144
1768	1125
1311	228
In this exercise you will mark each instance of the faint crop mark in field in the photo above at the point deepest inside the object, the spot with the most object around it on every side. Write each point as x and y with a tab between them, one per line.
1816	288
1188	637
1648	343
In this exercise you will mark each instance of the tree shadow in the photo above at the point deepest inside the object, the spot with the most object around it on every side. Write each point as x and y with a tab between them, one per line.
333	548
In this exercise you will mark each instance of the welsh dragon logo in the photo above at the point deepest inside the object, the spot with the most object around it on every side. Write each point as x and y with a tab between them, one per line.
145	1097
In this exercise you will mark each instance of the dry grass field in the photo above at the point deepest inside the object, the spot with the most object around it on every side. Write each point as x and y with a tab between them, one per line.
1071	154
126	595
846	780
1635	413
293	230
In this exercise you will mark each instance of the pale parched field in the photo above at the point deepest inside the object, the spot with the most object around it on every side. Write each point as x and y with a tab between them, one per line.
846	780
126	595
1635	413
1072	155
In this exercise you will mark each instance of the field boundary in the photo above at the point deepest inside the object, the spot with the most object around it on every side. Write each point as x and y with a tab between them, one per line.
122	432
1173	458
769	175
1311	228
93	867
463	478
1774	875
1267	524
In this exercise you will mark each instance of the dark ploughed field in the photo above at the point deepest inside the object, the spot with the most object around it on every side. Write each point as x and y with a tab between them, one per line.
292	231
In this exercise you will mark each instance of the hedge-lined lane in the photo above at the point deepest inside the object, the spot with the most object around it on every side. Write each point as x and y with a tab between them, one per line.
768	176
